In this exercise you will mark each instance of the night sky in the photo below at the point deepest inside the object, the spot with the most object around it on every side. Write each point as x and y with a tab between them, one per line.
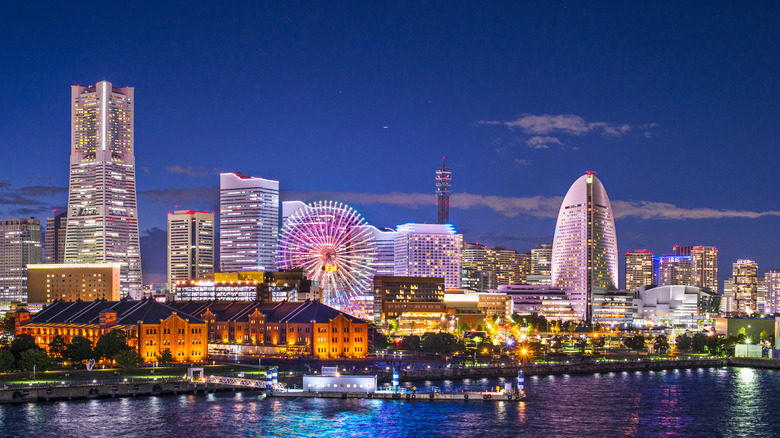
676	106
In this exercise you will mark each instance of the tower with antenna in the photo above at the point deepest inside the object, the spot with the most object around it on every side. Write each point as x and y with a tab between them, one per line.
443	191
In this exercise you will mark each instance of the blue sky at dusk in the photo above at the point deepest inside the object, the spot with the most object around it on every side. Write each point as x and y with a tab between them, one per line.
675	105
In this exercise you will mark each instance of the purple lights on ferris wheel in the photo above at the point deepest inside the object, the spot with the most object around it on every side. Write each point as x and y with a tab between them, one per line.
330	242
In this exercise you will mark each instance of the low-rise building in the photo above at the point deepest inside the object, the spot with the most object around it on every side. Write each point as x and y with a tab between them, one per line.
540	300
672	304
280	329
150	327
51	282
486	303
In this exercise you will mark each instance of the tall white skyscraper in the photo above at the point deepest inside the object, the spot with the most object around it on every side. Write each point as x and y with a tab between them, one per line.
102	213
429	250
584	253
190	245
772	281
20	245
248	223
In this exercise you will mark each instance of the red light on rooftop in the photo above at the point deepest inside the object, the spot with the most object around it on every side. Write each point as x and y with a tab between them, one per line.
590	172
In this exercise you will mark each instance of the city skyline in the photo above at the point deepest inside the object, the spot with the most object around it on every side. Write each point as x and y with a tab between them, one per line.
667	137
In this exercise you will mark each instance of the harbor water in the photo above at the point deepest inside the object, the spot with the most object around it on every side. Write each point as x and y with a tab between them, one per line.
696	402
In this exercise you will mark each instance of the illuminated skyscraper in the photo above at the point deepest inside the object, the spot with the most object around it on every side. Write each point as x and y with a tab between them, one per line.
54	240
499	266
443	191
20	245
639	269
772	281
584	255
248	223
704	268
673	270
190	245
429	250
102	213
745	286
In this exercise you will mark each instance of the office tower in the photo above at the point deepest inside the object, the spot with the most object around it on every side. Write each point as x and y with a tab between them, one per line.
190	245
288	208
20	245
584	253
429	250
672	270
248	222
50	282
102	213
500	266
443	191
745	286
385	249
541	259
704	268
54	240
772	281
682	250
639	269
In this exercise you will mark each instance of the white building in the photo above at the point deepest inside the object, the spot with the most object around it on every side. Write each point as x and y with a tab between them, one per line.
249	223
190	245
540	300
772	282
20	245
102	210
429	250
584	253
668	304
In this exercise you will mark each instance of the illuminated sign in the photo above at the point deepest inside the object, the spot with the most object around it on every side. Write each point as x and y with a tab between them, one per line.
330	268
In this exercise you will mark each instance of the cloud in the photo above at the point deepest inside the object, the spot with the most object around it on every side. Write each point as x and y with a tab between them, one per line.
542	142
523	162
661	210
570	124
42	191
194	172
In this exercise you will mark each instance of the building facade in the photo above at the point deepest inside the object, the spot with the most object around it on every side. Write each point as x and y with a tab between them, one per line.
51	282
772	281
500	266
150	327
281	329
443	191
672	270
704	267
54	240
190	245
585	244
249	223
393	295
639	268
745	286
20	245
102	208
428	250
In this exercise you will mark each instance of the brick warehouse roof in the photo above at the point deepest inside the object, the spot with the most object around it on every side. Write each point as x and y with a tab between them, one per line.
275	312
128	312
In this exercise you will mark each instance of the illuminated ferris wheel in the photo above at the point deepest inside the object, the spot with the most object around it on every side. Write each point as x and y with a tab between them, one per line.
332	244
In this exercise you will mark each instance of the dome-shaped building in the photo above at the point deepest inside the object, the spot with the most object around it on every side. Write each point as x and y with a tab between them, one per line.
584	255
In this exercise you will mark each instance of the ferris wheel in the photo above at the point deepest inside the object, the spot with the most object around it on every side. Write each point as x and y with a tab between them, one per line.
332	244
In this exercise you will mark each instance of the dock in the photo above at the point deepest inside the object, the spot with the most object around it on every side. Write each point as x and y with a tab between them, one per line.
407	396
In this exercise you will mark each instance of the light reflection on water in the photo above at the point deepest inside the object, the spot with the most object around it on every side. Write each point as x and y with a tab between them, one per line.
701	402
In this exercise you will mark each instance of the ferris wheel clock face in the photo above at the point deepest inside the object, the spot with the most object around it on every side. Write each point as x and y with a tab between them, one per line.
331	242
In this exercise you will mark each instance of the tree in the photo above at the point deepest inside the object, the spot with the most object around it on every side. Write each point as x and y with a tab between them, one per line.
111	343
571	328
597	342
22	343
9	324
380	341
128	358
79	349
699	343
165	357
684	342
635	342
37	358
7	359
661	344
57	347
411	343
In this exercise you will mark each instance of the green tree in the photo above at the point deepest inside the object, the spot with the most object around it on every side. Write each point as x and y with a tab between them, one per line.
35	357
661	344
380	341
699	343
684	342
9	325
22	343
111	343
571	328
598	343
128	358
165	357
79	349
57	347
7	359
411	343
635	342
